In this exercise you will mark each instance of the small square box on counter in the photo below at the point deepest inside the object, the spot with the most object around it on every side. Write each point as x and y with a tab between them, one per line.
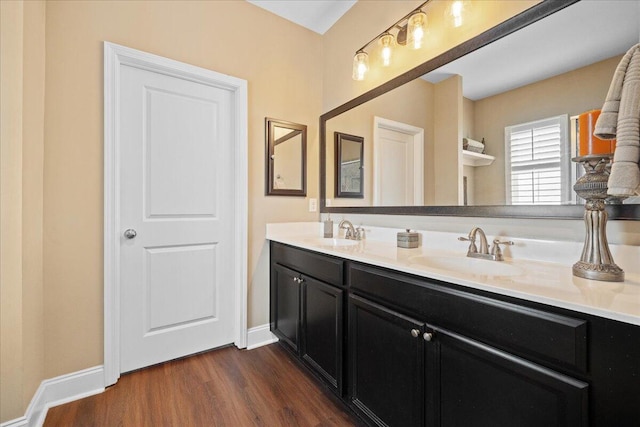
408	239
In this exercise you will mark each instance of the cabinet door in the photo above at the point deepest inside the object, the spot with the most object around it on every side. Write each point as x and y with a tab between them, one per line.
475	384
285	305
386	364
322	330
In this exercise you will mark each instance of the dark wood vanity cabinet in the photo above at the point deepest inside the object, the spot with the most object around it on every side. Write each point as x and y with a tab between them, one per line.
286	290
475	384
321	325
435	377
386	364
426	353
307	309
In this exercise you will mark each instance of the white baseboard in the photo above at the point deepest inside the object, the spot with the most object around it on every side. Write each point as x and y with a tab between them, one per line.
59	390
18	422
259	336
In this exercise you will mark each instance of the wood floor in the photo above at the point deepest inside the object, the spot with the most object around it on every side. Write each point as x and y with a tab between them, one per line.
224	387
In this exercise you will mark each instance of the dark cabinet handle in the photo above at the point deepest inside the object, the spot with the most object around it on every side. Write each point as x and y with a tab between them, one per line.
428	336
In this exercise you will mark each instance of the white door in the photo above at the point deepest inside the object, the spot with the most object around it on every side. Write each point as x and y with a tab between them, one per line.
176	217
398	163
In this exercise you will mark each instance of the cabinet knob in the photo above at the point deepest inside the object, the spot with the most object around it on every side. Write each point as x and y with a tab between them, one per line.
415	333
428	336
298	279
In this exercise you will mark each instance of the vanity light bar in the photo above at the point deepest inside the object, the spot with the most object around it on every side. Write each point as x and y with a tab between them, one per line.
416	19
409	30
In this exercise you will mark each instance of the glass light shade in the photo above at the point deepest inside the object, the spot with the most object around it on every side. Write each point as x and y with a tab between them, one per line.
417	27
360	65
456	12
387	42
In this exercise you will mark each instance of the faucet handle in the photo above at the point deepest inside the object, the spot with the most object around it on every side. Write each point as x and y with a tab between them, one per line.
495	249
360	233
472	244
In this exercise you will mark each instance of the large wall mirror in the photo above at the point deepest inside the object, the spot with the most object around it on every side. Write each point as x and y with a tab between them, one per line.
286	162
552	62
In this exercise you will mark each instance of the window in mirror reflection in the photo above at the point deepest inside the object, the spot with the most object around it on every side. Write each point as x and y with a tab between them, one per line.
538	162
349	165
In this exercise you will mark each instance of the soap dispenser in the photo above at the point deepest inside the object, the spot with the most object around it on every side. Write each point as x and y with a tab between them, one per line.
328	227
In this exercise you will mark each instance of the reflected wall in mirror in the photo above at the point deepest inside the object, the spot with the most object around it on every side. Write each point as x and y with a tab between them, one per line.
286	164
555	66
349	165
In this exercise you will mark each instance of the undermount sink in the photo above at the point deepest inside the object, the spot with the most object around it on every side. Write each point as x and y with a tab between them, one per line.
328	241
463	264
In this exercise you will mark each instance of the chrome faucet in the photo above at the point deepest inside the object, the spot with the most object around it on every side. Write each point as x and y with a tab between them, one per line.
351	233
346	225
484	248
483	253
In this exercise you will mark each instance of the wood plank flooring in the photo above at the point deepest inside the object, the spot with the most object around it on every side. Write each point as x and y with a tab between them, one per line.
224	387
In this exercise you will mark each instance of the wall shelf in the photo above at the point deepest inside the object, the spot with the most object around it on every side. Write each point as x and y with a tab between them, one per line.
469	158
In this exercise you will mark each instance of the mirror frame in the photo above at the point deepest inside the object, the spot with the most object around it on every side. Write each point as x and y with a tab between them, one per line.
269	125
529	16
339	138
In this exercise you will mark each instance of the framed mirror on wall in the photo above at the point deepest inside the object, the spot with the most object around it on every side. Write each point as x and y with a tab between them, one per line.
349	166
479	90
286	162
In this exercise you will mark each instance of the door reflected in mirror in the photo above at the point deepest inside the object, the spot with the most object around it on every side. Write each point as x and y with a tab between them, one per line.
398	170
286	158
349	165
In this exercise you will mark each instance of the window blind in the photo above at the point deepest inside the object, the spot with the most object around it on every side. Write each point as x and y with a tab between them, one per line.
538	164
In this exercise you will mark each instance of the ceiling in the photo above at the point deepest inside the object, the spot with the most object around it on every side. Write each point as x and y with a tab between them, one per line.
316	15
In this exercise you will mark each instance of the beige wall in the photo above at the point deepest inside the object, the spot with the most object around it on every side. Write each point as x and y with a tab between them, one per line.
11	107
447	135
232	37
21	154
468	131
32	196
569	93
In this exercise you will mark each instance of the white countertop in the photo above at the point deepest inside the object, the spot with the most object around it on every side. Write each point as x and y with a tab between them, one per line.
532	278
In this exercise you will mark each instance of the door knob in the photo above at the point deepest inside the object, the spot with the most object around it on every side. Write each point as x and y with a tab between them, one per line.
130	233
